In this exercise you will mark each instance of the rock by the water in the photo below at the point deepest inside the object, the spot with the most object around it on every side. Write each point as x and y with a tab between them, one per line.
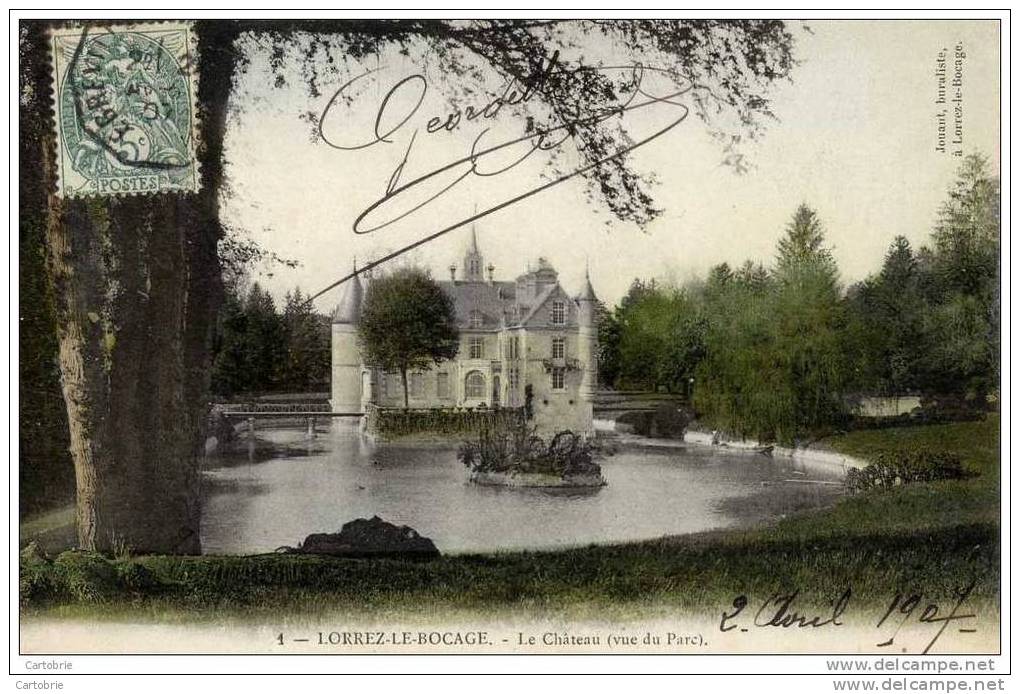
371	537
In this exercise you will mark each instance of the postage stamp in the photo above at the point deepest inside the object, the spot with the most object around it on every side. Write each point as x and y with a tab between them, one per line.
125	109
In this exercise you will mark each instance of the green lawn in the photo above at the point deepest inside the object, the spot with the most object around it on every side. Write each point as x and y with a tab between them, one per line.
931	538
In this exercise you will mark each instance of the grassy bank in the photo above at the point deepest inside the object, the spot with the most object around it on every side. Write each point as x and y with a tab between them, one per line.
929	538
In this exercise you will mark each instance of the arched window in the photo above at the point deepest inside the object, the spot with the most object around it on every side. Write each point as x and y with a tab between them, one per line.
474	385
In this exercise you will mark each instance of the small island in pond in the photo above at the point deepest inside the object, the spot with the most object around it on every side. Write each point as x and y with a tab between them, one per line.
513	455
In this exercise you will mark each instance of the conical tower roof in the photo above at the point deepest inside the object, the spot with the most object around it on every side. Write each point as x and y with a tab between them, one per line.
473	248
587	291
349	308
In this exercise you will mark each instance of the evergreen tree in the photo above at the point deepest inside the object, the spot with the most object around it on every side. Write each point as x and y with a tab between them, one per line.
307	340
608	345
801	253
965	239
961	320
884	333
230	354
264	341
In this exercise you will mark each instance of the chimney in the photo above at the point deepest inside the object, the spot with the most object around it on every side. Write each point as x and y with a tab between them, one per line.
492	270
453	273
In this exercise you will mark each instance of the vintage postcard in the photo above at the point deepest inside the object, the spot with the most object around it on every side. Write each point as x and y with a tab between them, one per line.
512	336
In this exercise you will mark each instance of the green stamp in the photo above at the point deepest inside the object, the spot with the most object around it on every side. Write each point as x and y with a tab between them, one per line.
125	109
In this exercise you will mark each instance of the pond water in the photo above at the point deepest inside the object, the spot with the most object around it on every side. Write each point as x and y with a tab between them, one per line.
283	486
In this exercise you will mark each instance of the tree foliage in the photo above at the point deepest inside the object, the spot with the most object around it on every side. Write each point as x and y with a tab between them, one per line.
781	353
258	348
730	65
307	361
656	338
407	323
928	322
885	334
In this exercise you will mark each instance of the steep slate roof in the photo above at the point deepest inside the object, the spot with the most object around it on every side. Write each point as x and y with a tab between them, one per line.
483	297
539	302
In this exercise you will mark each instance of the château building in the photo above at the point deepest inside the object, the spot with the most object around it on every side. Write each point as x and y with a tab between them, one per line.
517	337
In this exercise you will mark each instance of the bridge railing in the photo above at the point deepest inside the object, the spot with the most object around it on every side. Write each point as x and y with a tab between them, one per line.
272	408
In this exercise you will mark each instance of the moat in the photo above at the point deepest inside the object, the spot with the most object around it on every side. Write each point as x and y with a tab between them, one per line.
283	486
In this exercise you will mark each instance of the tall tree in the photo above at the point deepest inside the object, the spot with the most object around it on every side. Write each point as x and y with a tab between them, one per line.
961	322
965	239
45	473
802	249
661	333
737	384
137	280
407	323
265	341
230	372
775	364
884	325
608	345
136	283
307	344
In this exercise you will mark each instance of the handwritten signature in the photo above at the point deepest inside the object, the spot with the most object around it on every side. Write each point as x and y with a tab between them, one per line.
780	611
400	105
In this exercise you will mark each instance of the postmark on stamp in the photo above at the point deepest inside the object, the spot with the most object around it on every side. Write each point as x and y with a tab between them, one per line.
125	102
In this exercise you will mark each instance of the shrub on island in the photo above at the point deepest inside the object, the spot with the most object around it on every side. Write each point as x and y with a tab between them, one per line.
512	454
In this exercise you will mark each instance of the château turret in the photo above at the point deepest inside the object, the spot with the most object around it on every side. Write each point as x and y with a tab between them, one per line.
587	339
345	392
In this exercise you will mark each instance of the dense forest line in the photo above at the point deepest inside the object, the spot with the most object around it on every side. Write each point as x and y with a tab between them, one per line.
782	351
258	348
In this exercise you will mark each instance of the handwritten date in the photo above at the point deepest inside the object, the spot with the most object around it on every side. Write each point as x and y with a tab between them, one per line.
780	611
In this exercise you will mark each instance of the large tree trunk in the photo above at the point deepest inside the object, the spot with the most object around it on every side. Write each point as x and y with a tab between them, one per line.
136	283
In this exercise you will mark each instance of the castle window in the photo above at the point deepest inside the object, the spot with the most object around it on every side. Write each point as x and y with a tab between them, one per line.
417	385
474	385
558	374
475	350
559	313
443	385
559	348
475	319
511	347
513	381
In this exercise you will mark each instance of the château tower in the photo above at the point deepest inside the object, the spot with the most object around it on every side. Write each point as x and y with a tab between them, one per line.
587	349
346	382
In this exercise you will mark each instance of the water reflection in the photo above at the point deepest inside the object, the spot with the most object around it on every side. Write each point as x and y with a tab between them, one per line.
285	486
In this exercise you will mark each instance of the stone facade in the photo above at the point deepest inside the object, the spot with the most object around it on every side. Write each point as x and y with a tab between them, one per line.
513	334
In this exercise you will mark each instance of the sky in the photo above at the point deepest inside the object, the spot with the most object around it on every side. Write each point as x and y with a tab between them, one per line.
855	138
